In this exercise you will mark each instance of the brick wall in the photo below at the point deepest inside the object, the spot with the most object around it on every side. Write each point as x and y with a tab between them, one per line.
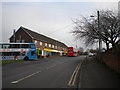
112	60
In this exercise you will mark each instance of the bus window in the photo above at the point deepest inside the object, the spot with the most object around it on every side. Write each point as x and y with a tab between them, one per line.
15	46
6	53
0	53
0	46
32	45
33	53
16	53
10	53
6	46
23	53
25	46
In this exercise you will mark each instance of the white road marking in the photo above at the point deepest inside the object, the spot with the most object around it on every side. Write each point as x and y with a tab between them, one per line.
51	66
17	81
14	82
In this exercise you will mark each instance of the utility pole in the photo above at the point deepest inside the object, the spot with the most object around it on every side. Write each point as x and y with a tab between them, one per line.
100	41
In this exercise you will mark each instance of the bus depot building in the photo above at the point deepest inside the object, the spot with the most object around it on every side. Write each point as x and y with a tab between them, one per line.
45	46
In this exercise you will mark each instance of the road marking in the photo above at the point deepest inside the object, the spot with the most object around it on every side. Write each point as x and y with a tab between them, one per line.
17	81
74	75
51	66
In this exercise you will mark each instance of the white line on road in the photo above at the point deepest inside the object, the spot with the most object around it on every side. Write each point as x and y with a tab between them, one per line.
14	82
51	66
17	81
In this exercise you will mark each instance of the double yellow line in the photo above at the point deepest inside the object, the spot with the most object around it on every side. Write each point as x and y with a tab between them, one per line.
74	75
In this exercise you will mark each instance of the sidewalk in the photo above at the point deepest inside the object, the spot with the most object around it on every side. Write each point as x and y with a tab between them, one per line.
96	75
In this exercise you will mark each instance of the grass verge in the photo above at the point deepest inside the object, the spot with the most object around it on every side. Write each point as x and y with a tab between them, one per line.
4	62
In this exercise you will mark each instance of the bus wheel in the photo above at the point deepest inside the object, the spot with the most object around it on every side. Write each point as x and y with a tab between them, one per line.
26	58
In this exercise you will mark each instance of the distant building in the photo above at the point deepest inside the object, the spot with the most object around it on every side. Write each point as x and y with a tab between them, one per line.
45	46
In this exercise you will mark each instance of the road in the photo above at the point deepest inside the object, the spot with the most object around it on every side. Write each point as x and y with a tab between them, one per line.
60	72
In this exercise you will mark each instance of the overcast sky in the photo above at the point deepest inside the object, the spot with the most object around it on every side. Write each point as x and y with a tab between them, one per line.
53	19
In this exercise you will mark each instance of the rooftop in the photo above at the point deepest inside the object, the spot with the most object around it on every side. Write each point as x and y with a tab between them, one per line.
37	36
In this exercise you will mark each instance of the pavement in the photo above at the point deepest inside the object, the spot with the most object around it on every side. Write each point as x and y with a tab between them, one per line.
93	74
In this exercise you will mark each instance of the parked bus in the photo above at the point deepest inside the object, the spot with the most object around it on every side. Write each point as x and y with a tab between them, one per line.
72	51
17	51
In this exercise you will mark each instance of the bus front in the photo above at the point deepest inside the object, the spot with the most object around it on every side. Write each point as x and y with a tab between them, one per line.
70	51
31	54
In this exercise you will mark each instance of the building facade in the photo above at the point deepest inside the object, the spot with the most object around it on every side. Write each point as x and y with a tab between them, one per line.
45	46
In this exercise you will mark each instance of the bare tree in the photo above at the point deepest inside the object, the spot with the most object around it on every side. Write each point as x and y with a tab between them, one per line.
109	26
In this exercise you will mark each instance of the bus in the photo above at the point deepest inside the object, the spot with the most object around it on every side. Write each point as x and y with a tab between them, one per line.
72	51
17	51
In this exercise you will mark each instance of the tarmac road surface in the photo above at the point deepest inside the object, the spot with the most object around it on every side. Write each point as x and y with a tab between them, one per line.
60	72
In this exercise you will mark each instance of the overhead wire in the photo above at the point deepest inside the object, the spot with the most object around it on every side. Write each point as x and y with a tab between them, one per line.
60	29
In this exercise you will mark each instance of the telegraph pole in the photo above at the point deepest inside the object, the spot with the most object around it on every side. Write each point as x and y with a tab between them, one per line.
99	32
100	41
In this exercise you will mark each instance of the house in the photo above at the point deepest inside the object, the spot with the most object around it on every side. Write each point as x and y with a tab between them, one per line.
46	46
